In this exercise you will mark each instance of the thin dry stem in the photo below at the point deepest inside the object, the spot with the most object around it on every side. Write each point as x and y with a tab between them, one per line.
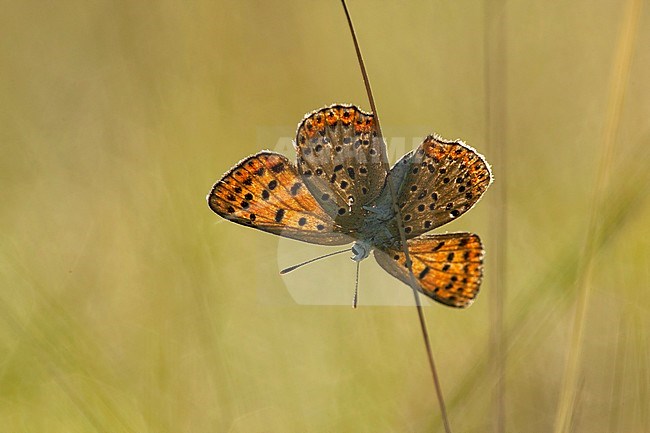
400	227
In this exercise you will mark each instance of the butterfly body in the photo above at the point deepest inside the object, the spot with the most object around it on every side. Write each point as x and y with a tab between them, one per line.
380	224
378	231
338	193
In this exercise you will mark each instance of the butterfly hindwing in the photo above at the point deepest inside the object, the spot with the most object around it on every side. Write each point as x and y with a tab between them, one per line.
266	192
339	155
447	267
443	180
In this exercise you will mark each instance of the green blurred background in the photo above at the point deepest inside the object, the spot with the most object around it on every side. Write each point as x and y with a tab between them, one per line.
127	306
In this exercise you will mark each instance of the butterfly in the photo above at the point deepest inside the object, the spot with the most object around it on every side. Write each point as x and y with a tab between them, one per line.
337	193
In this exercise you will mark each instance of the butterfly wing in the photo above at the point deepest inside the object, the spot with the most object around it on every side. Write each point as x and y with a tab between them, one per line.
447	267
266	192
440	181
339	155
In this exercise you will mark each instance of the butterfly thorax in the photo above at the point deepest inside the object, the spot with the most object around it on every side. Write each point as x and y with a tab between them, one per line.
362	247
379	228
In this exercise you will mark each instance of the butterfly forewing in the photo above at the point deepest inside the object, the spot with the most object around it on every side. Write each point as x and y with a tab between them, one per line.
444	179
339	157
266	192
447	267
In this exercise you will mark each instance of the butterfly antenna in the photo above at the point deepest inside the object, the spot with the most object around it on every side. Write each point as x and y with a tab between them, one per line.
400	227
294	267
355	298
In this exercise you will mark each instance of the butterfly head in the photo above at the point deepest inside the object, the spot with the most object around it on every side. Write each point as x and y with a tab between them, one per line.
361	250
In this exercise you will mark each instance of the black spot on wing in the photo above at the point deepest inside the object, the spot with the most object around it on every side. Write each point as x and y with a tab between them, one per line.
279	215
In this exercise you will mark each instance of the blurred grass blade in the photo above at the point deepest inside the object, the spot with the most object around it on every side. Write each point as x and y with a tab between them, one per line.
621	69
495	54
